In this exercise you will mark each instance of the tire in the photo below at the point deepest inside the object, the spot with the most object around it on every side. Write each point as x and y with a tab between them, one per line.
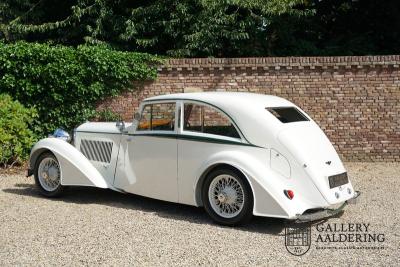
47	175
227	197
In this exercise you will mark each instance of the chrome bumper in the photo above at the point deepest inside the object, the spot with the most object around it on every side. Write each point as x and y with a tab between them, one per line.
326	213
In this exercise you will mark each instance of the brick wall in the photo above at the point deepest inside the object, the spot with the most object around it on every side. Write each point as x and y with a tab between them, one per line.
356	100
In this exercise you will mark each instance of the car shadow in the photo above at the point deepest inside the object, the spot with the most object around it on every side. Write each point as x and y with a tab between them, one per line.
91	195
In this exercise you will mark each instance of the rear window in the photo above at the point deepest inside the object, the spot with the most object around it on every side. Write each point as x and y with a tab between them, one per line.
287	114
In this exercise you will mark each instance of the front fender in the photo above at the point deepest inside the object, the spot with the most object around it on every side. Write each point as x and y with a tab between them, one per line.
76	169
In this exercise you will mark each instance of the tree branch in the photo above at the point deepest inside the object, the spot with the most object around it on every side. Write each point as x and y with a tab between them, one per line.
17	19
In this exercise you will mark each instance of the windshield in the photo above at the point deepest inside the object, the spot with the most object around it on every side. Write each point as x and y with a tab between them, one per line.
287	114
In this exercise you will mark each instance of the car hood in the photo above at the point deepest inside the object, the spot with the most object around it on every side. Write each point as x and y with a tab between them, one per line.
100	127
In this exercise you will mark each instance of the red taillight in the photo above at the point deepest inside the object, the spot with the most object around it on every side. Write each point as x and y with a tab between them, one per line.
289	194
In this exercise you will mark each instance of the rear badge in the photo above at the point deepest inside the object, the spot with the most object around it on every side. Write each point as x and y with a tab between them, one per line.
328	162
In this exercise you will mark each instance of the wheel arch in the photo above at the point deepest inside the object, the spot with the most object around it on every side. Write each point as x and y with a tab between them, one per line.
35	155
76	169
213	167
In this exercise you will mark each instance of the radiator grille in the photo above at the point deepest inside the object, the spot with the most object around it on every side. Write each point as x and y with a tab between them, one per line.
96	150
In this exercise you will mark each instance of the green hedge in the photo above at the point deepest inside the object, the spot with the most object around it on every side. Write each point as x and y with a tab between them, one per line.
16	138
65	83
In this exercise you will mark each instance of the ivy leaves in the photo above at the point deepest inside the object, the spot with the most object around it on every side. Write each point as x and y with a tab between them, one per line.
65	83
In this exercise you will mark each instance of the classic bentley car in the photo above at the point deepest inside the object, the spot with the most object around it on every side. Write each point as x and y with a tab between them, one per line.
235	154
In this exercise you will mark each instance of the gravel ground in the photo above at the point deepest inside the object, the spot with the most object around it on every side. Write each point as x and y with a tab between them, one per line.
93	226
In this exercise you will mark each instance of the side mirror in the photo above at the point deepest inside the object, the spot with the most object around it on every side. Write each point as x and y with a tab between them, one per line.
120	125
136	116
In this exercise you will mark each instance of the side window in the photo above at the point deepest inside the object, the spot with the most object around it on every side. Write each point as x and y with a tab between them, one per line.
157	117
145	119
205	119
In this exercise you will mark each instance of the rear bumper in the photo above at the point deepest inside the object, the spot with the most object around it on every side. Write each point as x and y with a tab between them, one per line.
325	213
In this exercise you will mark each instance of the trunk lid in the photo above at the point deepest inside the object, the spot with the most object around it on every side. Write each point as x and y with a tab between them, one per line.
311	148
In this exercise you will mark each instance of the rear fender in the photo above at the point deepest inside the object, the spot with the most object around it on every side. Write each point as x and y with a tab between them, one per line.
266	200
76	169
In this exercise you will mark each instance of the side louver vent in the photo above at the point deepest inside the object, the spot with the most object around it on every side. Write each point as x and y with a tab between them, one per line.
97	150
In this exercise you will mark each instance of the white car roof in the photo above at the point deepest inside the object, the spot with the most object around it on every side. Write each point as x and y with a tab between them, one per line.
223	99
247	110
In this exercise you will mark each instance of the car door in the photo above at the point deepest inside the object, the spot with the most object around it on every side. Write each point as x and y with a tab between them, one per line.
148	164
205	131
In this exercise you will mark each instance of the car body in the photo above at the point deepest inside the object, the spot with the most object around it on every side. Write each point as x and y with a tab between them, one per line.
261	151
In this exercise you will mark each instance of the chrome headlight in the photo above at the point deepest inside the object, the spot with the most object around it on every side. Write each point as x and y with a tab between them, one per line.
61	134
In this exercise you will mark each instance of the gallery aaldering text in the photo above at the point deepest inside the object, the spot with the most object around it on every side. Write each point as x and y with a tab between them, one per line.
347	232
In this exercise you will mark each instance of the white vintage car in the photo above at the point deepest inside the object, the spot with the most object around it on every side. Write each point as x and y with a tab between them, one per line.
235	154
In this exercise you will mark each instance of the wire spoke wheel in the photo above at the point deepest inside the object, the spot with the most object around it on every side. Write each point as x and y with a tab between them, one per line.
226	196
49	174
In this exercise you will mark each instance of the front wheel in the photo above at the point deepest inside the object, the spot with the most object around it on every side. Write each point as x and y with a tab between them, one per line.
227	197
48	175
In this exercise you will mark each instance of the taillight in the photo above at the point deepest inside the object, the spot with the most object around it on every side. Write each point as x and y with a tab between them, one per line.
289	194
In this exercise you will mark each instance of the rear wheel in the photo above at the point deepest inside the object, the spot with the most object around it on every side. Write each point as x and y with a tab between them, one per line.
227	197
48	175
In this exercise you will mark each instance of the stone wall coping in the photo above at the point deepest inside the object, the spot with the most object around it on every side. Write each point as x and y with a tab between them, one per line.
285	62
